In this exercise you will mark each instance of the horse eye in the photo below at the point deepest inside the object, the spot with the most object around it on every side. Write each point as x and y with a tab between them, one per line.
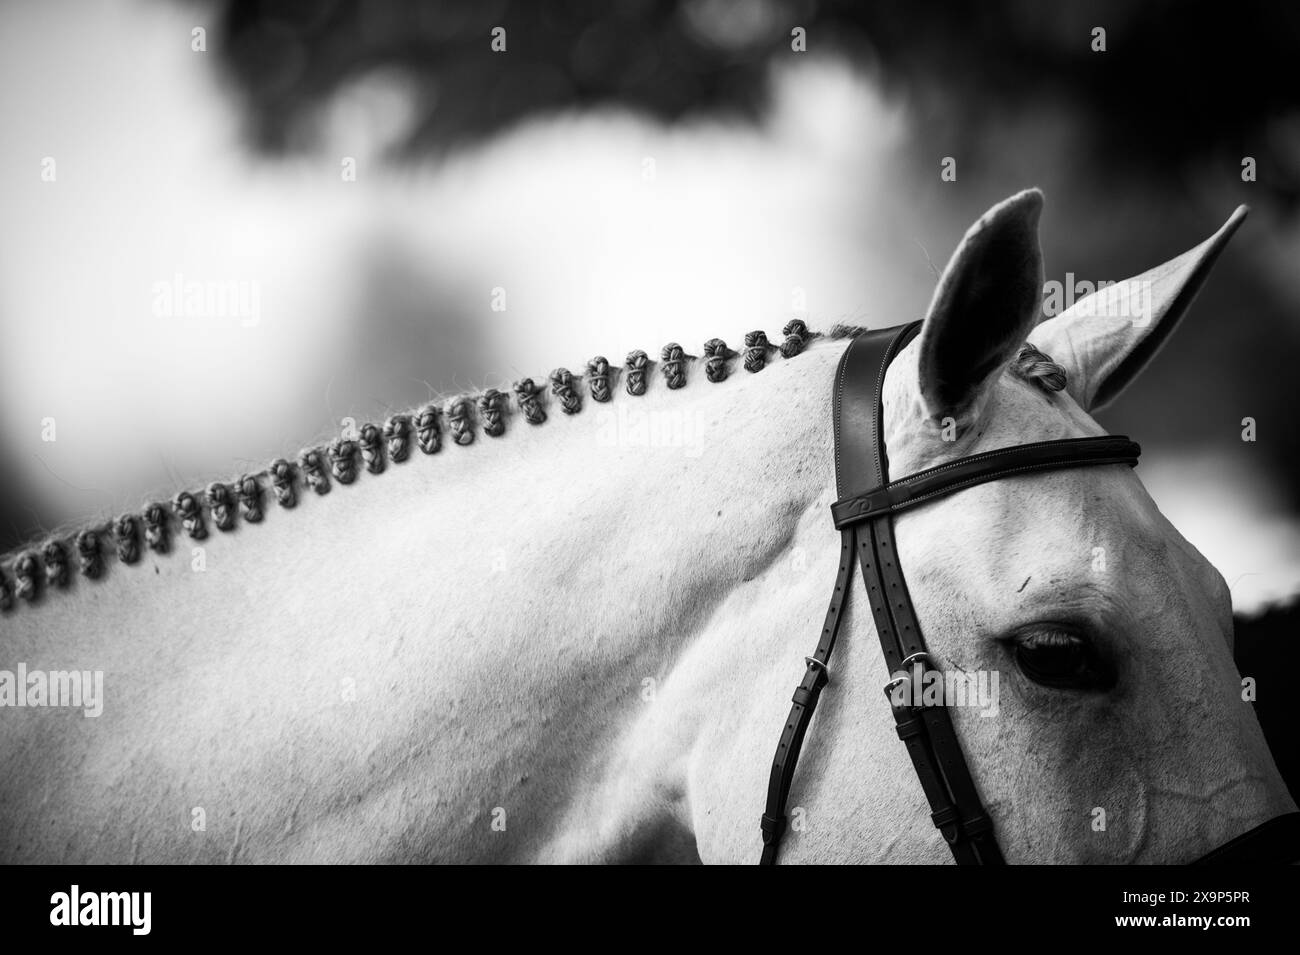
1062	660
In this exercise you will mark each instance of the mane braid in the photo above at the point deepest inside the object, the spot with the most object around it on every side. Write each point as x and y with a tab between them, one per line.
250	499
126	530
1038	369
33	570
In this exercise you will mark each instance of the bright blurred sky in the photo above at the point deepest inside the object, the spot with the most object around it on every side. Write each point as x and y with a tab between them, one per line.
595	258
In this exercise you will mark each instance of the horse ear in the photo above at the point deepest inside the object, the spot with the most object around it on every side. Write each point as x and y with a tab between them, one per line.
1105	339
983	308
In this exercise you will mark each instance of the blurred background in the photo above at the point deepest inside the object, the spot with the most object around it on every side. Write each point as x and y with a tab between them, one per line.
368	174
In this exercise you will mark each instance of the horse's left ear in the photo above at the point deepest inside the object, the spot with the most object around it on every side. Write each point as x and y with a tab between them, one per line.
985	304
1105	339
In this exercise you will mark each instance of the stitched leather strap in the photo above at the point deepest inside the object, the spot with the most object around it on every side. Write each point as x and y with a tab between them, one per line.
864	515
862	462
804	700
853	408
979	469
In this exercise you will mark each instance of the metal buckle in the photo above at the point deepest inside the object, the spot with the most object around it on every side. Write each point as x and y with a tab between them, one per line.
922	657
824	676
889	687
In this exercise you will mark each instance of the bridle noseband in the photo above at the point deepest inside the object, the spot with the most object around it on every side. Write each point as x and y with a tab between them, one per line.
864	515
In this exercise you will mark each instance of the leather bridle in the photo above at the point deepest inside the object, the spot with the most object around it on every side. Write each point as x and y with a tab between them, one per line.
864	515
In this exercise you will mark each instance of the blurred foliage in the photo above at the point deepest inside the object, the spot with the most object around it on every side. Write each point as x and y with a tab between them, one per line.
654	55
1266	649
1181	83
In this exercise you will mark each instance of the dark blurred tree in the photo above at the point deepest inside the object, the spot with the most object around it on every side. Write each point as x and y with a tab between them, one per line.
654	55
1181	84
1267	650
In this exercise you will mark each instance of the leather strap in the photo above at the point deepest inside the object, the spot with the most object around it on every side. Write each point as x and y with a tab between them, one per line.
980	468
804	702
853	411
864	515
862	462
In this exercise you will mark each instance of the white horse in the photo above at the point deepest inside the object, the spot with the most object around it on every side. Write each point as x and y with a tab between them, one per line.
576	642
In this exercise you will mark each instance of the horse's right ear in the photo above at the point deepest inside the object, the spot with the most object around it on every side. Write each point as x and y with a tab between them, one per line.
983	309
1105	339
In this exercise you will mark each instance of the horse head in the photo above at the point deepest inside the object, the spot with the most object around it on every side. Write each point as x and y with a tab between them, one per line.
1121	730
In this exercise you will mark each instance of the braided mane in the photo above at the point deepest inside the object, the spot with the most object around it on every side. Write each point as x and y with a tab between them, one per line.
36	570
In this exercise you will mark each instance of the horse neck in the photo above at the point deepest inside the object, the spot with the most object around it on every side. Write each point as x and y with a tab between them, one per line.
512	597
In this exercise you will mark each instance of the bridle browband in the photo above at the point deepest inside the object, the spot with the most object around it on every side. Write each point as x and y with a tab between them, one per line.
864	515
